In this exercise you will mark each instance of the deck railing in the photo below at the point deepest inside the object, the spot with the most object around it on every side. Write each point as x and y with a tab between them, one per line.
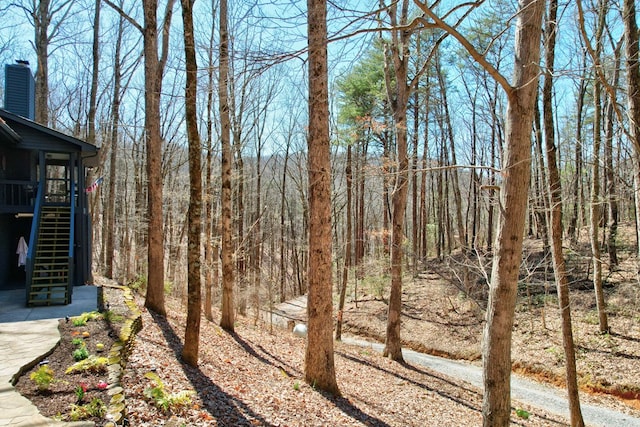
17	193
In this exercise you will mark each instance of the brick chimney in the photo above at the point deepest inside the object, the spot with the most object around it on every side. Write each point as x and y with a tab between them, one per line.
19	89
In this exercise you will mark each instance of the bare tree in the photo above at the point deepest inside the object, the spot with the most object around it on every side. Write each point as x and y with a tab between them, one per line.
192	328
114	136
348	244
555	194
153	70
633	94
211	245
319	364
595	206
48	17
496	347
154	65
398	92
227	315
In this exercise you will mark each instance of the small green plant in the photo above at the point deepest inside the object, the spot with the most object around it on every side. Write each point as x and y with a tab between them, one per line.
139	284
77	342
375	284
43	377
95	408
80	353
521	413
162	399
85	317
79	321
557	353
168	287
91	364
296	386
80	391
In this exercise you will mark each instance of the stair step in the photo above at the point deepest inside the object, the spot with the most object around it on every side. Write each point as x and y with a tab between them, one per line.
51	271
53	287
59	279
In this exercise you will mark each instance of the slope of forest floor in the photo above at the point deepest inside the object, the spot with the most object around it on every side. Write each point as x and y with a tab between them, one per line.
440	318
255	376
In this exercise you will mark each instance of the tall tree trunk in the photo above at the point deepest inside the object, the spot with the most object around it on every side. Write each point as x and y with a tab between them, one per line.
452	149
577	207
424	217
555	191
414	181
595	206
194	218
95	67
227	315
609	171
240	248
398	95
496	346
283	229
541	205
347	247
42	19
319	362
113	160
153	70
210	249
361	180
633	97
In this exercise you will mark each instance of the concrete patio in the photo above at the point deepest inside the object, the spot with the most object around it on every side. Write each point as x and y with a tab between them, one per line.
27	333
13	305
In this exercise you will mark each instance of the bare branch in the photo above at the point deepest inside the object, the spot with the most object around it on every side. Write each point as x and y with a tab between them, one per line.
124	15
477	56
597	65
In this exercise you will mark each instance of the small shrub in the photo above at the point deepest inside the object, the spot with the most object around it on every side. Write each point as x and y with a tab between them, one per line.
168	287
91	364
85	317
80	391
80	353
43	377
521	413
375	285
139	284
296	386
77	342
79	321
95	408
162	399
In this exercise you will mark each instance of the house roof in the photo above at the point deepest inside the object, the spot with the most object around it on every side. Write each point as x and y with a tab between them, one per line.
6	133
11	125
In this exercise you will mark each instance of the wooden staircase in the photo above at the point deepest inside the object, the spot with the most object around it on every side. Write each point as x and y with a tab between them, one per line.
50	281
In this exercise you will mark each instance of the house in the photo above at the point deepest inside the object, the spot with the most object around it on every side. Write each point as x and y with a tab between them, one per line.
45	228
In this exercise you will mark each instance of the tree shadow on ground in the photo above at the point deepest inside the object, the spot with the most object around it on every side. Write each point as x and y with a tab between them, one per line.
354	412
229	410
275	362
341	403
225	408
457	399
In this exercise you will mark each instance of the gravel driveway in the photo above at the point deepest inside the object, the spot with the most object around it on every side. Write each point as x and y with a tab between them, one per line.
535	394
